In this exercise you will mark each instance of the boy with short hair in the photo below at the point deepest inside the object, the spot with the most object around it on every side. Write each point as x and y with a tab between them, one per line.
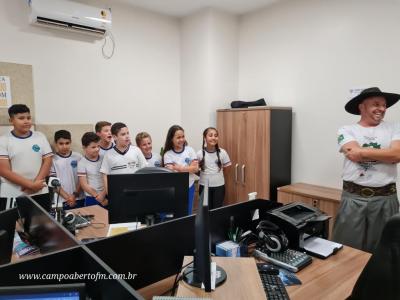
90	178
65	167
25	159
123	158
103	130
144	142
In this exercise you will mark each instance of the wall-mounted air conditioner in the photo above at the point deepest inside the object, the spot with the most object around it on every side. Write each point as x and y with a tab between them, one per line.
70	15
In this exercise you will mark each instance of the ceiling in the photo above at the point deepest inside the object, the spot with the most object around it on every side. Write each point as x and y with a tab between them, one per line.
181	8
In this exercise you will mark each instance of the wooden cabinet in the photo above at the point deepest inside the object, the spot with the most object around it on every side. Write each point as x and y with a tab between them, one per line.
325	198
258	141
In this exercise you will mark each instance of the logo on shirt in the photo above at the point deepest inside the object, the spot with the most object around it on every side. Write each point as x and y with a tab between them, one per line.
188	160
133	164
74	163
340	138
36	148
157	163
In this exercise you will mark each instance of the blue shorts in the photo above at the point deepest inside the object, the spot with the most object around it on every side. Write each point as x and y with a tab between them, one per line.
79	203
89	201
190	200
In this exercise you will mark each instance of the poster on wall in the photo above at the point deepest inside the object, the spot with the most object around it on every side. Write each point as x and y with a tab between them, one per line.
5	91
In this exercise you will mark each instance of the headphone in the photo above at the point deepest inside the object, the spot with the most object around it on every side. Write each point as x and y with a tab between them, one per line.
69	218
274	238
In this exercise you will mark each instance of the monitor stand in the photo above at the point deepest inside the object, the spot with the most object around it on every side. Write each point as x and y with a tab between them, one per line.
188	276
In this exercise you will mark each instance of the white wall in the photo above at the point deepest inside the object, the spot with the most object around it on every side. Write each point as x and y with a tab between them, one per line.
73	83
209	69
308	54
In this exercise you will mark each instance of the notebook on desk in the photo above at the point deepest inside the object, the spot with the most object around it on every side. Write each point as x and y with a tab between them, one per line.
321	248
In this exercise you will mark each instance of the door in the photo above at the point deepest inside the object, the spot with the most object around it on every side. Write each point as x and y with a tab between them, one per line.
227	125
253	154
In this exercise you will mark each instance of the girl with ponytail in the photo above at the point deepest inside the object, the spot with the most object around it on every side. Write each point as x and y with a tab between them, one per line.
212	161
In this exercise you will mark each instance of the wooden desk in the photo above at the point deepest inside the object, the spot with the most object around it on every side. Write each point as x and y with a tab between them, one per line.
325	198
332	278
243	281
99	226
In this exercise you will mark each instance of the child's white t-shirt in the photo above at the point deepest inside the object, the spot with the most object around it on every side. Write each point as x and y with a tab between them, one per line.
212	173
25	155
183	158
91	170
154	160
128	162
66	169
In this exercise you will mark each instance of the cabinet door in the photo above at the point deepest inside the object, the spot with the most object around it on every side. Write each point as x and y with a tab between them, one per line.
227	125
253	154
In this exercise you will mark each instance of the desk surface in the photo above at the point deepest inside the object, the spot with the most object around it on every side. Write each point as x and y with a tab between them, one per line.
243	281
332	278
99	224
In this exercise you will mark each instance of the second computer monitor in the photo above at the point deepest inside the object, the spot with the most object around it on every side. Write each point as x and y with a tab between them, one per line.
133	196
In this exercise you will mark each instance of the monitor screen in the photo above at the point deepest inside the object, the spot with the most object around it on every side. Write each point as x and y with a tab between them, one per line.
134	196
40	229
8	218
74	291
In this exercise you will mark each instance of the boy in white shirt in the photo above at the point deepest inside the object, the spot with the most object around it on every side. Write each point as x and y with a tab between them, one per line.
90	178
123	158
103	130
144	142
65	167
25	159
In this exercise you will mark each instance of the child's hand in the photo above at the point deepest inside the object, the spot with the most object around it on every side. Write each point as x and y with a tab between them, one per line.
36	186
71	200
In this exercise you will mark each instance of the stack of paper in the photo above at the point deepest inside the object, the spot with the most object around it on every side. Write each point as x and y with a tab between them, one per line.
320	247
119	228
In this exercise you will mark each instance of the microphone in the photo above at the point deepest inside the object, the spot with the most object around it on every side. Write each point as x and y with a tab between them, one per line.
53	182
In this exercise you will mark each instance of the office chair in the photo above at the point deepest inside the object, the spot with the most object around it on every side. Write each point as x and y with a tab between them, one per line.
380	278
149	170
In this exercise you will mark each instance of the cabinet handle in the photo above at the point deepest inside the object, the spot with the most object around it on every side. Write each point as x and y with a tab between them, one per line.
243	174
236	173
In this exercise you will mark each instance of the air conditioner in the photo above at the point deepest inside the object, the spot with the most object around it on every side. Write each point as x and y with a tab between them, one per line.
71	16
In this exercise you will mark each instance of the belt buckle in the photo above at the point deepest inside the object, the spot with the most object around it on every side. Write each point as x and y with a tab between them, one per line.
367	192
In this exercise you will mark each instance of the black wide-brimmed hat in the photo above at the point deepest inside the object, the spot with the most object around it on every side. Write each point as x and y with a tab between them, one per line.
352	105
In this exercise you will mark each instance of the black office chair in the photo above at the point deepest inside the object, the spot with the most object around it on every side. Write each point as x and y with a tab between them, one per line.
148	170
380	278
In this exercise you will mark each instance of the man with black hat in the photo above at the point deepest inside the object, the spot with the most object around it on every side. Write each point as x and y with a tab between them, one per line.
372	151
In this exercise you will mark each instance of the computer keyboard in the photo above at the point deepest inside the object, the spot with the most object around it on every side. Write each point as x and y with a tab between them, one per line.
289	259
272	283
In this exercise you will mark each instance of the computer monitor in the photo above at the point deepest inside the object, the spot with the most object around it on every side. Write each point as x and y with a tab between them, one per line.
200	271
40	229
8	218
74	291
133	196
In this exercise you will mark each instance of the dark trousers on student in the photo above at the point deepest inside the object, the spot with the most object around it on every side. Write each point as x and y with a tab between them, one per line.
216	195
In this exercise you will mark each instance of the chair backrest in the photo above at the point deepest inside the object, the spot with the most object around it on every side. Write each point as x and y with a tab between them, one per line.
148	170
380	278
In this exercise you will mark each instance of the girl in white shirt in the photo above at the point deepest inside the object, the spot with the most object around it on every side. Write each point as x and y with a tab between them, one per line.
212	161
181	158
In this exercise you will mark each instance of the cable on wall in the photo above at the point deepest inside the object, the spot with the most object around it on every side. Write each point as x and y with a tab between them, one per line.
109	36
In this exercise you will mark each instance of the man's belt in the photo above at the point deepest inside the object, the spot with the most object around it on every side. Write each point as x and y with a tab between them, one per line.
368	191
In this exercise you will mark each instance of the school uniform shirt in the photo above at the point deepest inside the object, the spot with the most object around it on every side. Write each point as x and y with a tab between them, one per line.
127	162
91	170
103	151
369	173
183	158
25	155
212	173
154	160
66	169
